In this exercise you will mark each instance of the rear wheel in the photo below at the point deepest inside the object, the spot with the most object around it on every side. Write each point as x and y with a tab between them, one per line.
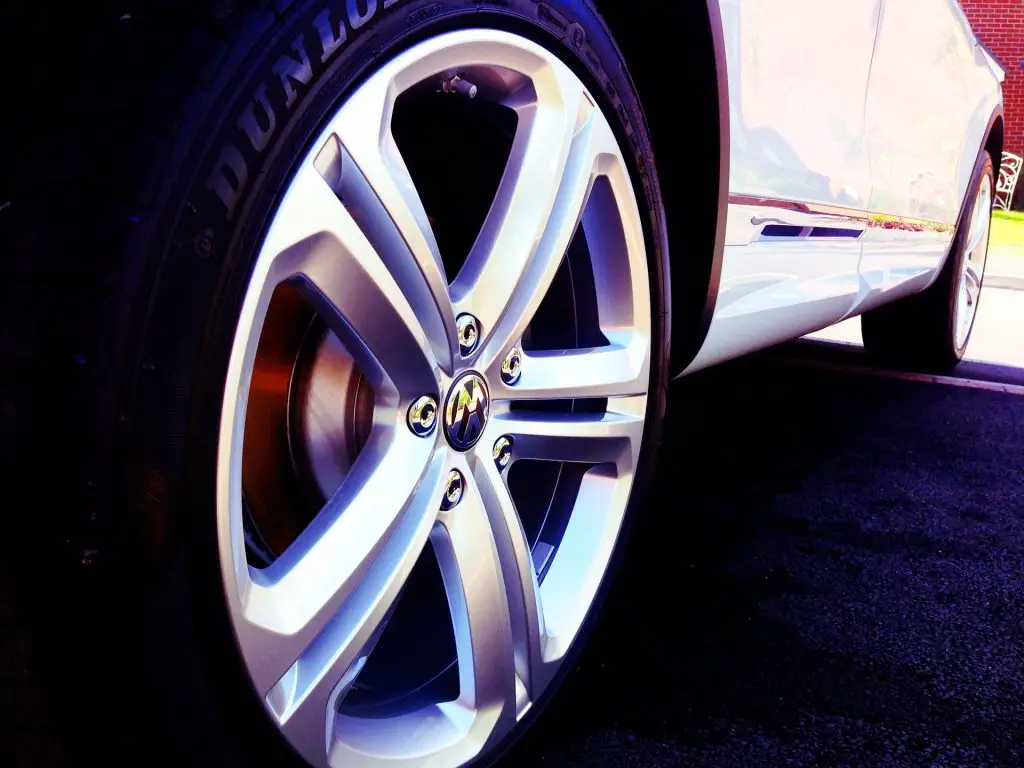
396	385
930	330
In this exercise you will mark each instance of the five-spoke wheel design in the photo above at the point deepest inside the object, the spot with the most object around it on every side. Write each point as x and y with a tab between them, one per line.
481	413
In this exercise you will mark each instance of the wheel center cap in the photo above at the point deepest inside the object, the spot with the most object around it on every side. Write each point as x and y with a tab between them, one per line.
465	411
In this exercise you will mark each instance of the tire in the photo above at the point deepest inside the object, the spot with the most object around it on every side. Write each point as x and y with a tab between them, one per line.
922	332
191	123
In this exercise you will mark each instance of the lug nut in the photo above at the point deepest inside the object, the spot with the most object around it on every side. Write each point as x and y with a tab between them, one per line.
511	367
423	416
468	332
502	452
453	491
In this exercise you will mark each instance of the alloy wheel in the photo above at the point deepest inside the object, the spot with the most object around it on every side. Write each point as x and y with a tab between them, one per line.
973	268
425	409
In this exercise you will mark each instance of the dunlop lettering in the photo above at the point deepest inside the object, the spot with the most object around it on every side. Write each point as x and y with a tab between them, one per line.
331	38
258	120
229	177
357	19
289	71
259	129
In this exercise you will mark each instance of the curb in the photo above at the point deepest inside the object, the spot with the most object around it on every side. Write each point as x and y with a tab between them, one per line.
1005	282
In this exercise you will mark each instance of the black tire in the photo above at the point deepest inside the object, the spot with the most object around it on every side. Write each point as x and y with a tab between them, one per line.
127	311
917	332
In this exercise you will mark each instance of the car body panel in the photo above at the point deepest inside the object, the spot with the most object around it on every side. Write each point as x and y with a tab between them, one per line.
930	100
835	142
782	152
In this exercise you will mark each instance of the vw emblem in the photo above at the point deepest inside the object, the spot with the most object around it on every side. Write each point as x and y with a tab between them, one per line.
465	411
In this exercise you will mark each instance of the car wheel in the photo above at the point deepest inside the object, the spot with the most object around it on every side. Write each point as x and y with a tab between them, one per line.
384	393
930	330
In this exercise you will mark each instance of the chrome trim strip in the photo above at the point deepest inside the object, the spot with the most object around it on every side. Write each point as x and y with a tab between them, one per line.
904	224
831	214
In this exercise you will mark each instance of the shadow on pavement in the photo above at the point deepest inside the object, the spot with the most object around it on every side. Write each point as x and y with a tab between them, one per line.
829	574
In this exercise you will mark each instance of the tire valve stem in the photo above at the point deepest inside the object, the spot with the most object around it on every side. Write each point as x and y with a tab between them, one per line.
459	85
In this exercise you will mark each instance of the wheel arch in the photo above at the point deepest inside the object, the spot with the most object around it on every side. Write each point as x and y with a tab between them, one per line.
689	126
994	140
989	119
993	144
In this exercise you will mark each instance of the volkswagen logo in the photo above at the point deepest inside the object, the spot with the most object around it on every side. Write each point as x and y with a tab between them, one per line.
465	411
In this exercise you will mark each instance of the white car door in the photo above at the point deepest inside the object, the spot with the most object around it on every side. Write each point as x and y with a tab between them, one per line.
800	176
930	97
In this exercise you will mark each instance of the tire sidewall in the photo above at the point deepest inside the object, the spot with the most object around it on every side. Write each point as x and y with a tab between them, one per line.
194	668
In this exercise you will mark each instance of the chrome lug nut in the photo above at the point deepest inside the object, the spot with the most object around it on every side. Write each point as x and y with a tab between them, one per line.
468	332
453	491
502	452
511	367
423	416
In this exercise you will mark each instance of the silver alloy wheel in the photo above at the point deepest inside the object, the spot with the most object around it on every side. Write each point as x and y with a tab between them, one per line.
973	268
307	623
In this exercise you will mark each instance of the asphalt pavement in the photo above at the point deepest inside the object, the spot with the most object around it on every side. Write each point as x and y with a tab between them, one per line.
831	573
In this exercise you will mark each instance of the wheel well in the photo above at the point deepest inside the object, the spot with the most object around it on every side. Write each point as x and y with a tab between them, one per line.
677	64
994	142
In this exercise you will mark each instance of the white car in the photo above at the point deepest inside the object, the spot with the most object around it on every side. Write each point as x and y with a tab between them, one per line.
376	309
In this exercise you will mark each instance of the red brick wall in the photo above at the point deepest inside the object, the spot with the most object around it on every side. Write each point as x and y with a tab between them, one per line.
999	24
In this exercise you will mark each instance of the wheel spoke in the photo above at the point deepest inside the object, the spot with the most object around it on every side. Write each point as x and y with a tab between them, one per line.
330	650
620	369
574	574
585	437
520	578
980	222
315	239
553	612
973	280
472	576
977	232
377	512
537	207
372	176
962	312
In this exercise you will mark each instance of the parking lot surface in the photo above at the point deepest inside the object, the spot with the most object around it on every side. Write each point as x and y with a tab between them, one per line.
831	574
